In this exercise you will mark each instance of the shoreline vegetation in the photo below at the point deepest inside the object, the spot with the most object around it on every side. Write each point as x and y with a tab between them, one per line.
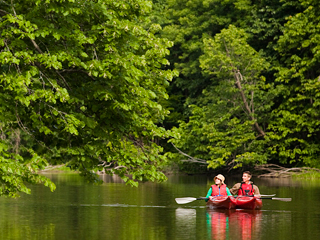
147	89
261	171
57	168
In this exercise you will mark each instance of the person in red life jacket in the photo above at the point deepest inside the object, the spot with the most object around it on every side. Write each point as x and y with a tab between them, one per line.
246	187
219	188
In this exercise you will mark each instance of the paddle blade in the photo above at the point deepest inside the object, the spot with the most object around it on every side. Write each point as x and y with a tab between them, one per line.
282	199
185	200
262	195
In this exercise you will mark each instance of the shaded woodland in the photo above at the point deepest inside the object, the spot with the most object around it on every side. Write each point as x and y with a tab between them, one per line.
134	88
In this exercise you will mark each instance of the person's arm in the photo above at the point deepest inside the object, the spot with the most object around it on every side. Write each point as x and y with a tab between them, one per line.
209	193
228	192
235	188
256	190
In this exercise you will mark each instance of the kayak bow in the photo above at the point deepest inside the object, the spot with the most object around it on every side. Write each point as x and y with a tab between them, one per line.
221	202
244	202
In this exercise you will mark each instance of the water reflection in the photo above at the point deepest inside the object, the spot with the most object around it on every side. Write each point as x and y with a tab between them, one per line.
218	224
110	179
224	223
186	222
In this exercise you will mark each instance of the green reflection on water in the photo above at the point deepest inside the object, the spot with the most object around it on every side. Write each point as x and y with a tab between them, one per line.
78	210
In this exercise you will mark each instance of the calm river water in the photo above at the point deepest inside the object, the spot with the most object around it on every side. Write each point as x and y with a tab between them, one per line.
78	210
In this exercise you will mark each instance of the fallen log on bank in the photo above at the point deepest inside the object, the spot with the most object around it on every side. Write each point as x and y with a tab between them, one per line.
276	171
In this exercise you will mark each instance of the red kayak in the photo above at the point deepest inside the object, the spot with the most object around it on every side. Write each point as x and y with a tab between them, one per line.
222	202
252	203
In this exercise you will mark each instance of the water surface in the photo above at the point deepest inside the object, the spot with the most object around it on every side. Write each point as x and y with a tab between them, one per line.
78	210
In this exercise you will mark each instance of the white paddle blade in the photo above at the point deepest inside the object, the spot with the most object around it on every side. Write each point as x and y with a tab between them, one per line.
262	195
185	200
282	199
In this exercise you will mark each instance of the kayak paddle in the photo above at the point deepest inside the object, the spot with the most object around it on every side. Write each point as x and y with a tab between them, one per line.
279	199
188	199
268	197
191	199
262	195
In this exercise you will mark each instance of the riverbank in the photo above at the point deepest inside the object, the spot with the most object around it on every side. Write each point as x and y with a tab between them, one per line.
261	171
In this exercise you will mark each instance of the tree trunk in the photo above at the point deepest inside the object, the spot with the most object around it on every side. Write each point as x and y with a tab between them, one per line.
238	78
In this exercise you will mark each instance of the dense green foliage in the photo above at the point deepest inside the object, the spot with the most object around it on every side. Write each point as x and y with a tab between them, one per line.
249	71
295	127
83	81
87	83
226	120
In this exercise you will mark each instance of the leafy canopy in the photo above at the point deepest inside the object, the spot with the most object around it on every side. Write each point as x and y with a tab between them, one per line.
83	80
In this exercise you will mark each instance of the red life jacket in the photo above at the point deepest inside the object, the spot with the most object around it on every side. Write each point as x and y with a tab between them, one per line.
216	192
246	189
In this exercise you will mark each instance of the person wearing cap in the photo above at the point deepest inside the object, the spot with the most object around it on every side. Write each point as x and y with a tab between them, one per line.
219	188
246	187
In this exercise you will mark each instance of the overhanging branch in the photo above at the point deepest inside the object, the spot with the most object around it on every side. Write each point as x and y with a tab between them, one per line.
191	159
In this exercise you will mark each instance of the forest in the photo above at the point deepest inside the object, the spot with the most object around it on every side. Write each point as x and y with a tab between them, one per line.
136	87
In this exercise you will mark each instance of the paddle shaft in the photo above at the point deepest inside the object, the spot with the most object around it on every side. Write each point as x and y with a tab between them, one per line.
272	198
279	199
202	198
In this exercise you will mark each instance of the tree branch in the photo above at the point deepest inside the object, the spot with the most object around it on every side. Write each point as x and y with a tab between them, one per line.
40	51
3	13
191	159
76	70
274	170
238	77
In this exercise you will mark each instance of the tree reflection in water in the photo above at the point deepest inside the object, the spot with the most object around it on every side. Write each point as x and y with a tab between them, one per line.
224	223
